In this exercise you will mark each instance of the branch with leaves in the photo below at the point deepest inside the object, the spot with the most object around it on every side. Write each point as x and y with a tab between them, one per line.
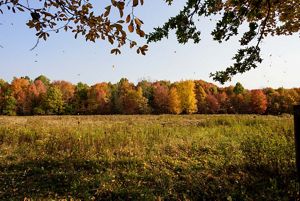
263	17
79	17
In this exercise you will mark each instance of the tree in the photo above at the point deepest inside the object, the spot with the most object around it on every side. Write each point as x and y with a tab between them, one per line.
187	96
224	103
161	98
53	102
8	104
37	93
99	99
81	18
129	100
81	98
201	99
258	104
19	88
67	89
262	17
212	104
238	88
174	101
44	79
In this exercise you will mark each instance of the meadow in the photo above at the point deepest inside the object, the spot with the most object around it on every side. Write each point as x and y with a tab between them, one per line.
148	157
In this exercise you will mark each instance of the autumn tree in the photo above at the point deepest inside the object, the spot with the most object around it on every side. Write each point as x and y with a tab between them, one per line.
160	98
19	88
174	105
186	93
224	103
99	99
129	100
201	98
258	103
37	93
147	88
67	89
212	104
238	104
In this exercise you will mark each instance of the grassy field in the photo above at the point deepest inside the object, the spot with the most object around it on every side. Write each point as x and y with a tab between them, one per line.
192	157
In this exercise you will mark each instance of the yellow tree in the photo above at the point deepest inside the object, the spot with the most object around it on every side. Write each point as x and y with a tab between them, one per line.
187	96
174	105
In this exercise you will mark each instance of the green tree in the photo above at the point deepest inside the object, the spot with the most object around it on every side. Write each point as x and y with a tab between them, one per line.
44	79
81	98
9	105
53	101
238	88
263	18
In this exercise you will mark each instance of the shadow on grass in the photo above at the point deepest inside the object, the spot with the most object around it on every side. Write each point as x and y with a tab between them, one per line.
129	180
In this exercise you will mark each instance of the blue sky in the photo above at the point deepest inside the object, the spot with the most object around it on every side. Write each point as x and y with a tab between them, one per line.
62	57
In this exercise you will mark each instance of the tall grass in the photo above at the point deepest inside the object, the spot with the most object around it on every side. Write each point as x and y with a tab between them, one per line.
190	157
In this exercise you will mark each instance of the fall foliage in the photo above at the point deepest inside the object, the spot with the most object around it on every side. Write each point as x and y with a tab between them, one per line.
115	22
40	96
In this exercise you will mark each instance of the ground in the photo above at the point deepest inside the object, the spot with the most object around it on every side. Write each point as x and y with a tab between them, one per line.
163	157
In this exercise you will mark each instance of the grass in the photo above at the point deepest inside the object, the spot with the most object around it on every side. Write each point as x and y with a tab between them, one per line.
189	157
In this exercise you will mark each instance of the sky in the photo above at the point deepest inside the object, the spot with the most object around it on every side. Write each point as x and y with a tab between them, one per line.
62	57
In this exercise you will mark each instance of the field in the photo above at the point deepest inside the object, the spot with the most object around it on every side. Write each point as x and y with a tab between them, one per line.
164	157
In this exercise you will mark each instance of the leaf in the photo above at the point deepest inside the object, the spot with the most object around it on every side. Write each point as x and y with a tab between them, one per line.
138	22
121	12
20	9
135	3
107	11
128	18
140	32
115	51
130	27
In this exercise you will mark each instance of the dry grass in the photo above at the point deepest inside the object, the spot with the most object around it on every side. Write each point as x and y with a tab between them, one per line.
196	157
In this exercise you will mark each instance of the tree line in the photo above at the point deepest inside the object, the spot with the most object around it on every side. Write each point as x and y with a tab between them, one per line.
40	96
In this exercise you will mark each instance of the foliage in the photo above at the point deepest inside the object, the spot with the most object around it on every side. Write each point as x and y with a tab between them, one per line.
263	18
187	96
258	103
238	88
53	102
165	157
25	97
174	102
99	99
81	18
161	98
